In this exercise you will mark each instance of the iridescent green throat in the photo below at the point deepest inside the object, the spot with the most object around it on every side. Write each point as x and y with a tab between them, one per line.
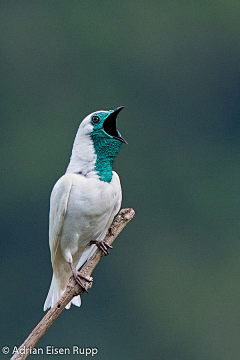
106	149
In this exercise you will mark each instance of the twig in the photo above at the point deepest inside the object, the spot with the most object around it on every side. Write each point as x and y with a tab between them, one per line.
72	289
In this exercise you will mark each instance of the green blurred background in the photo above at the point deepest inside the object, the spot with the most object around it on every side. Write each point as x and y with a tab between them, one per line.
170	289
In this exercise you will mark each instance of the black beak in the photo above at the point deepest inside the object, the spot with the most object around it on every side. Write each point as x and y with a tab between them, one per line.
117	110
110	127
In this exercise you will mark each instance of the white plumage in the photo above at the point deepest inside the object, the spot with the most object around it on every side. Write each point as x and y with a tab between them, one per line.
82	208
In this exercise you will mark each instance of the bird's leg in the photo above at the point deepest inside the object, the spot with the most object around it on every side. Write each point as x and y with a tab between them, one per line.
79	278
110	231
102	245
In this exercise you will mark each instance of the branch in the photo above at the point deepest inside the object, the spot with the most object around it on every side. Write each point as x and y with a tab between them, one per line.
73	288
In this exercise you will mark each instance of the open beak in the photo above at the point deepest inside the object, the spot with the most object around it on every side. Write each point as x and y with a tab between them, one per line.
110	125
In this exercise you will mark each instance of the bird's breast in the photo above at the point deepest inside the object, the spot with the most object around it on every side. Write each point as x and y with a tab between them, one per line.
90	205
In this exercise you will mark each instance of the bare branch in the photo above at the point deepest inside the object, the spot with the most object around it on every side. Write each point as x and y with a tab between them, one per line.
73	289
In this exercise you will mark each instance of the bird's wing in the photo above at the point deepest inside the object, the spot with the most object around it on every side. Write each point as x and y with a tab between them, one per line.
58	208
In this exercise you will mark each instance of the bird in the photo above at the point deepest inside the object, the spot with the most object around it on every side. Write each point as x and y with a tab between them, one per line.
84	201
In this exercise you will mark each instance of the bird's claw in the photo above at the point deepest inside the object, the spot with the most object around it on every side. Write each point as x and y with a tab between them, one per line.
102	245
79	280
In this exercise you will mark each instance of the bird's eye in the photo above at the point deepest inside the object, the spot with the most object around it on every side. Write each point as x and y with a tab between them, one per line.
95	119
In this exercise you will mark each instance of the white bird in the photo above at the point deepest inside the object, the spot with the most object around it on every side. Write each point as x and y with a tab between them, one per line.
84	201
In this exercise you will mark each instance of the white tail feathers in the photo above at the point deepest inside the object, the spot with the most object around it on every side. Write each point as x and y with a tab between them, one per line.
54	295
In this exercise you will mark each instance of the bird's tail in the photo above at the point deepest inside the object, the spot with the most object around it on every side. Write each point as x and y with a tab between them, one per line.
55	293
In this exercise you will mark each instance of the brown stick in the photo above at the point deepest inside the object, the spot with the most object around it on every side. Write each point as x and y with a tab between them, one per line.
72	289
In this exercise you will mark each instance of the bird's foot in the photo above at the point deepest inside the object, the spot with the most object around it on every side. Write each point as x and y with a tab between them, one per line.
102	245
80	279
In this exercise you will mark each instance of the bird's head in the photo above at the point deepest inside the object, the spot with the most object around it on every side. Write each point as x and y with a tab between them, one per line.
99	138
103	125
